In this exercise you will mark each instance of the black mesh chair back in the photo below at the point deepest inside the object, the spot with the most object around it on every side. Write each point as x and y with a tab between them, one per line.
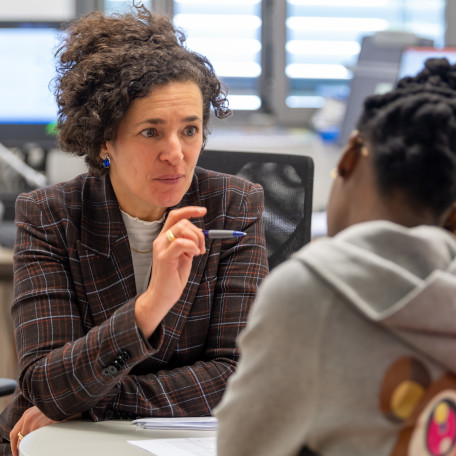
287	181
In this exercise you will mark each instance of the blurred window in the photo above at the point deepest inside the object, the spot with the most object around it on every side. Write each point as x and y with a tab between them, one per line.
321	40
228	33
324	37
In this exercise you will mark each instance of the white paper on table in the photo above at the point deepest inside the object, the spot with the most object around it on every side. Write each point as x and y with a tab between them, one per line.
194	446
201	423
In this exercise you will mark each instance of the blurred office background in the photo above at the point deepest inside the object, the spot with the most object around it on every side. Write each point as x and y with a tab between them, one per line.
296	71
288	65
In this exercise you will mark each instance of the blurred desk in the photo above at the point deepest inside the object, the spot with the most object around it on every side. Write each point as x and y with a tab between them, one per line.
77	438
6	264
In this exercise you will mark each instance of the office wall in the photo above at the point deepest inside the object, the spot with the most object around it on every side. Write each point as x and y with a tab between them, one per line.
67	9
56	10
450	37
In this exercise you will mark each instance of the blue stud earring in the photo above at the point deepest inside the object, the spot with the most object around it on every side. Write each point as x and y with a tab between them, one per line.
106	161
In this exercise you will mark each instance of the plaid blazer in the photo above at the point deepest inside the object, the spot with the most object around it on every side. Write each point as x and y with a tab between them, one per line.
78	344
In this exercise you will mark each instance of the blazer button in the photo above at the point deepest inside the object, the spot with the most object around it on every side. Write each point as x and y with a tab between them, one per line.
125	355
109	414
112	369
105	372
109	370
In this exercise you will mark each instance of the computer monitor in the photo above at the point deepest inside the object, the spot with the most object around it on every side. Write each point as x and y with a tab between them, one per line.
376	71
28	111
413	58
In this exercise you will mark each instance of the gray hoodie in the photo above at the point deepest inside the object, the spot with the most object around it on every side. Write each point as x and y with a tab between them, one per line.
350	350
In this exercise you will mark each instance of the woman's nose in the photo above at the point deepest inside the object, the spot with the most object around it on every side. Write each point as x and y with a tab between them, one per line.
172	150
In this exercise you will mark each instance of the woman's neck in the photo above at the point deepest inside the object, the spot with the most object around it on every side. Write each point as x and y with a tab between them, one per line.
395	208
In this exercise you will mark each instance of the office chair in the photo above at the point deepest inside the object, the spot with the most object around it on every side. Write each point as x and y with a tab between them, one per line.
7	386
287	181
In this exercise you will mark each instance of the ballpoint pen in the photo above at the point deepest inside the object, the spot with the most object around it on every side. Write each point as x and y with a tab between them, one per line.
222	234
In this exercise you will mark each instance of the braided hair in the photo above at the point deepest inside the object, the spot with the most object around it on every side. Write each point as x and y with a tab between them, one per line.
411	132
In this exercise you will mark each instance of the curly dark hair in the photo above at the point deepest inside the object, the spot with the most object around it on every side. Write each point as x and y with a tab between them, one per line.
105	62
411	132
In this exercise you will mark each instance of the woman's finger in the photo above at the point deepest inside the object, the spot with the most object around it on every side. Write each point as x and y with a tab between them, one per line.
14	437
185	229
182	213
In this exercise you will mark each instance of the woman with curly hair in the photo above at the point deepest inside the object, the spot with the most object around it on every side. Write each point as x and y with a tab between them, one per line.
122	307
358	357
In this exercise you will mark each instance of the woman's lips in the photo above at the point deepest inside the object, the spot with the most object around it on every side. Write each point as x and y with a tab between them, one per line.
171	179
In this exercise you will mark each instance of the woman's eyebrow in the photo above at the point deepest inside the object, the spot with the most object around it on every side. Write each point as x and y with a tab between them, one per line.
159	121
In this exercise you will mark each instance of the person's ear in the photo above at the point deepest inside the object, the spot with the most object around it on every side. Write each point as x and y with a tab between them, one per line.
449	221
350	155
103	150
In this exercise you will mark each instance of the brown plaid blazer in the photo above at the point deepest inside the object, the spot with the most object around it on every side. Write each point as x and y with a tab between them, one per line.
78	345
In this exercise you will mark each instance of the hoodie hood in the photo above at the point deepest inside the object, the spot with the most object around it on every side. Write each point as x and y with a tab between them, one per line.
402	278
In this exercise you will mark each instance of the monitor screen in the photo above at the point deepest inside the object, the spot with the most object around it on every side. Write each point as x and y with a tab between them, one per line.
413	58
28	110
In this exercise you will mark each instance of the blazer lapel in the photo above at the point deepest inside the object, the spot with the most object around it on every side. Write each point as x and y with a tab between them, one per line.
176	318
104	253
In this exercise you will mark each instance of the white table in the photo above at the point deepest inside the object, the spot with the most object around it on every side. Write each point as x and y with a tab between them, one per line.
86	438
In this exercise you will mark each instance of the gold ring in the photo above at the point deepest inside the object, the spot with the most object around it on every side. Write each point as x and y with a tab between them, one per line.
170	236
19	436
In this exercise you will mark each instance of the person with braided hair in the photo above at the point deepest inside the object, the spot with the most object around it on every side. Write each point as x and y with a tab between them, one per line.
350	346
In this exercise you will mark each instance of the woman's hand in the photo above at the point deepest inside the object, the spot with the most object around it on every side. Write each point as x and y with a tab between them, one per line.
172	262
32	419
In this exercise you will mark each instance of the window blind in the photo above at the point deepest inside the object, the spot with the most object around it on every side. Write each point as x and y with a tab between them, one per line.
324	37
